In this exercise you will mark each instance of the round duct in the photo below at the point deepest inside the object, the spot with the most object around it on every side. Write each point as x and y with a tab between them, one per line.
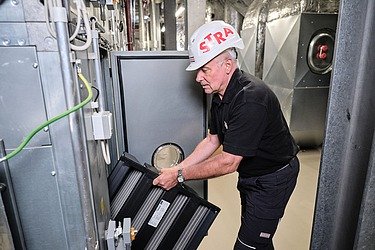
167	155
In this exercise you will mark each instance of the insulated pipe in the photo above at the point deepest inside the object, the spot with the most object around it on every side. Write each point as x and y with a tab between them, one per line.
232	17
348	141
360	133
262	21
81	163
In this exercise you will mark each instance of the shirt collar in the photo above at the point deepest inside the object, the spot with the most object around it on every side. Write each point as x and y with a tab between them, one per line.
231	89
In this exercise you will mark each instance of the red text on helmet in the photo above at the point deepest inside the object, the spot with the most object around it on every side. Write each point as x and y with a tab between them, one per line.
217	37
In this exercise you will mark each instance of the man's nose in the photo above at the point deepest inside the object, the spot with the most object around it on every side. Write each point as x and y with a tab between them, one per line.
199	77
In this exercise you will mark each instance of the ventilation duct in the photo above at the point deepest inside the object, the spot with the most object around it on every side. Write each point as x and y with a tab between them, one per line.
261	12
282	41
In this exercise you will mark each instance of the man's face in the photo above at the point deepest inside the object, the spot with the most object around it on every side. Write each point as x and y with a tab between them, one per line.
212	76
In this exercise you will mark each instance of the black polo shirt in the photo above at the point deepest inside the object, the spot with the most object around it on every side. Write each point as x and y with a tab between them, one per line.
249	122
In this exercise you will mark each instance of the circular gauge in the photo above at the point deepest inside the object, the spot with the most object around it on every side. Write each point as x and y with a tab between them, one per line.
167	155
320	52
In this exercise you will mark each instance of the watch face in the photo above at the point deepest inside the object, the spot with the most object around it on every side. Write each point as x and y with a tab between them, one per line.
167	155
180	179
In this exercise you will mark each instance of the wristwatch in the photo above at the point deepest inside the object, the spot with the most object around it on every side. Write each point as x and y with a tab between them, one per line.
180	177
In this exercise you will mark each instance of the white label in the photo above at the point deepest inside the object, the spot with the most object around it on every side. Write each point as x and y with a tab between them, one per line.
159	213
265	235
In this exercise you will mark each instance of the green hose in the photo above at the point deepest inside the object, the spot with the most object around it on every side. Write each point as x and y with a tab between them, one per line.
58	117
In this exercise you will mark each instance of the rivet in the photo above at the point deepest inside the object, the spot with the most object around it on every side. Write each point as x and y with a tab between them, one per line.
21	41
6	41
48	41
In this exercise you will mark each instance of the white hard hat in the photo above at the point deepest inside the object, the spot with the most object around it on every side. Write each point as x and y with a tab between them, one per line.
210	40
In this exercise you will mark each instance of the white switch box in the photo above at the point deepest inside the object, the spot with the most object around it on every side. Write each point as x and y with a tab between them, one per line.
102	125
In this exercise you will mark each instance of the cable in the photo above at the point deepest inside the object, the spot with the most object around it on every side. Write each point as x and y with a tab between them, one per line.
105	152
48	15
97	93
88	32
58	117
78	24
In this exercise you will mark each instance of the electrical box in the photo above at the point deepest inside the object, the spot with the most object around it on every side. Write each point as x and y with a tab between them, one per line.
102	125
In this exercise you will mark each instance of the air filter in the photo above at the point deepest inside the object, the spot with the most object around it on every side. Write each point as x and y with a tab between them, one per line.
175	219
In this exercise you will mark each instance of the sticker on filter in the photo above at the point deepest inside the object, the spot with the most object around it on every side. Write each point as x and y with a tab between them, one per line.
159	213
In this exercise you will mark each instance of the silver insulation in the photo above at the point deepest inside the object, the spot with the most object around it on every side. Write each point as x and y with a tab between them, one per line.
261	12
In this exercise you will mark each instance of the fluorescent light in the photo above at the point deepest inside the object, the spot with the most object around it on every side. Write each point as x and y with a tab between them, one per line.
163	28
179	11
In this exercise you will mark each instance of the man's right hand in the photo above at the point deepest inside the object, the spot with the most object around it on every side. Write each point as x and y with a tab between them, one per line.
167	178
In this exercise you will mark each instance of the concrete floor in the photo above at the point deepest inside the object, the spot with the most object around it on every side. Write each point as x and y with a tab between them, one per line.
294	230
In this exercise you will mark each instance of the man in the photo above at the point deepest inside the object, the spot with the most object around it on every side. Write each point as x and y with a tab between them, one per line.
247	121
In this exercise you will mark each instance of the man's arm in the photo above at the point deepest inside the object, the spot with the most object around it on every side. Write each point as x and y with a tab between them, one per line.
202	151
199	166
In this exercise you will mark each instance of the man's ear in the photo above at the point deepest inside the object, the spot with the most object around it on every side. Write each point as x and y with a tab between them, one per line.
229	64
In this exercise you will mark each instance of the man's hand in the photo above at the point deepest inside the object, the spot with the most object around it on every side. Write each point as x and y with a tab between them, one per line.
167	178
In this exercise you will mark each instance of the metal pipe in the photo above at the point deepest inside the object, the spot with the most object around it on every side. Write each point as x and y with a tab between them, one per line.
80	160
129	30
12	214
170	25
98	69
142	28
125	44
232	16
147	35
114	30
158	26
154	26
261	28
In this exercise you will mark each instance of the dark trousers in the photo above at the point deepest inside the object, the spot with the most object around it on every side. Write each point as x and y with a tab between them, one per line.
263	202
